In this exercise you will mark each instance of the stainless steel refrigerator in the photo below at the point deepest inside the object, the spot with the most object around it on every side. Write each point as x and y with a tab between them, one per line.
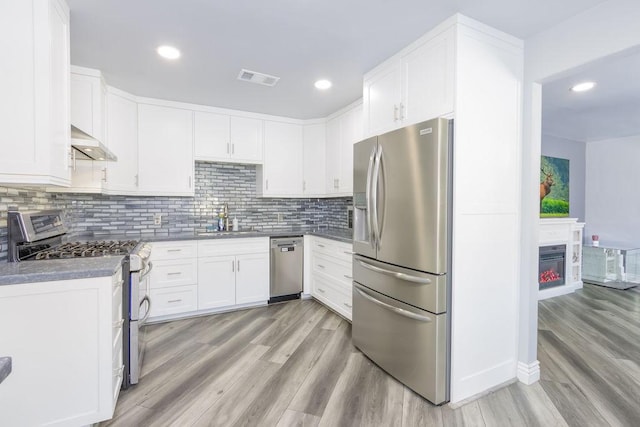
402	243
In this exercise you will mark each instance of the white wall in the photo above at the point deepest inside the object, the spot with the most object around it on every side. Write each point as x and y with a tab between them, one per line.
562	148
612	202
609	28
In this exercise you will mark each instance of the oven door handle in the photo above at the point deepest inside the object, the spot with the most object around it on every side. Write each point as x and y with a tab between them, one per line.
147	271
146	315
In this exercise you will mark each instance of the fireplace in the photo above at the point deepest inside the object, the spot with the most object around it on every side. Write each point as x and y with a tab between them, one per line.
551	267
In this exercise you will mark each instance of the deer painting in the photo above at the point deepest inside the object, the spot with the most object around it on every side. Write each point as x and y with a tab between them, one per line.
545	185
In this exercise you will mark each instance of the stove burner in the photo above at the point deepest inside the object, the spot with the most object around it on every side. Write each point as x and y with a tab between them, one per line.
88	249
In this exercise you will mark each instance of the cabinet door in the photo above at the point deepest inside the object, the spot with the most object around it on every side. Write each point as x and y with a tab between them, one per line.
283	159
165	150
88	103
381	99
427	80
333	156
216	282
122	137
59	121
246	139
313	152
211	136
350	133
252	278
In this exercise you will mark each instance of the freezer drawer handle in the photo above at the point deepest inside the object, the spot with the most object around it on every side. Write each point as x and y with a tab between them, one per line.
397	275
396	310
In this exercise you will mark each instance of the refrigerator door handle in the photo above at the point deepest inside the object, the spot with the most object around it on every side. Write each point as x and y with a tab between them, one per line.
396	274
368	196
396	310
374	195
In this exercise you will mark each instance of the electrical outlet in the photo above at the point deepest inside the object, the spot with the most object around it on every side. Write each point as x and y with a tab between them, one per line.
157	219
280	215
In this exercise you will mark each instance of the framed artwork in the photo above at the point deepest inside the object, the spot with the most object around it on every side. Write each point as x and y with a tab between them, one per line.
554	187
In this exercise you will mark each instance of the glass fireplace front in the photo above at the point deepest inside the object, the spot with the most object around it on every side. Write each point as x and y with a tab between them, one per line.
551	269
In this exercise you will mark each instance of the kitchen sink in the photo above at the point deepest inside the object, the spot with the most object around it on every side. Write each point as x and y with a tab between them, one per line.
227	233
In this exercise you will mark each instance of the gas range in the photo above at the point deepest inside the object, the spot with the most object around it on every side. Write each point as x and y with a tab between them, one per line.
84	249
39	235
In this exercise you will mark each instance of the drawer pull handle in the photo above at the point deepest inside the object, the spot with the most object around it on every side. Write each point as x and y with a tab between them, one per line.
118	323
175	273
348	277
321	266
321	290
174	300
397	275
174	250
389	307
347	304
320	246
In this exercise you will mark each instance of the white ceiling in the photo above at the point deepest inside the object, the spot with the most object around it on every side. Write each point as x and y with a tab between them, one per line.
610	110
299	41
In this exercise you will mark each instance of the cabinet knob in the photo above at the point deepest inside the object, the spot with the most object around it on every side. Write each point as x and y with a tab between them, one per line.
395	113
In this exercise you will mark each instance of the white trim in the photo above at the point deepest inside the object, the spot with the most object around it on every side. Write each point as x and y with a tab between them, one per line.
528	373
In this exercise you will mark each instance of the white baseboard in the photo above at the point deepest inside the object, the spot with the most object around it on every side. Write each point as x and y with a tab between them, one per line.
528	373
479	382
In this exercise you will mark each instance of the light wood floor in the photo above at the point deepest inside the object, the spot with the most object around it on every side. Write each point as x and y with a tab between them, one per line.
293	364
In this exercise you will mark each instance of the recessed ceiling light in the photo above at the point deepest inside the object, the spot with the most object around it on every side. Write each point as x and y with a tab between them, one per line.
322	84
583	87
168	52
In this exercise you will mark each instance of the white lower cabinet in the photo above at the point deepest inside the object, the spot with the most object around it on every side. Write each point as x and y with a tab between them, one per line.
174	278
217	287
331	274
233	272
67	354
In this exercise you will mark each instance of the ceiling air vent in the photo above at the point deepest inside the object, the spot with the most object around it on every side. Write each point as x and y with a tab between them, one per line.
258	78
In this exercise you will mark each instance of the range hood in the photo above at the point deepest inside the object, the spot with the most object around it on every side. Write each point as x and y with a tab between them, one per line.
89	148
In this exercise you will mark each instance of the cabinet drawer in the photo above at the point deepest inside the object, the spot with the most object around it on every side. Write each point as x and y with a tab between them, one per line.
333	295
340	250
233	246
173	250
175	300
336	269
174	273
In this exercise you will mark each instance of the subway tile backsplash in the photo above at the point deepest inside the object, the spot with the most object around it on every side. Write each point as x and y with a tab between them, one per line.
216	184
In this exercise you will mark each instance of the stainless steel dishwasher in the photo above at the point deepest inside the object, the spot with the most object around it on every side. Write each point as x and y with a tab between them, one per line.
287	258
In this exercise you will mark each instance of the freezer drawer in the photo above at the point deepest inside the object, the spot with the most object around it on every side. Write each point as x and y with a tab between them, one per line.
410	344
423	290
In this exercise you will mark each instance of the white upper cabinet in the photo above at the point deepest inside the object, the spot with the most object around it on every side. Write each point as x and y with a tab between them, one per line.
415	85
34	105
428	80
246	139
165	150
342	132
224	138
88	101
122	139
281	174
313	152
382	97
211	136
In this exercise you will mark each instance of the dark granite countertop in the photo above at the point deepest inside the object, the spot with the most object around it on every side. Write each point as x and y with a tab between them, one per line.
339	234
5	368
81	268
12	273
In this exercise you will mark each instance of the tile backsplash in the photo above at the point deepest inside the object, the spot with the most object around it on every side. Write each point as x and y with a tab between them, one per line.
216	184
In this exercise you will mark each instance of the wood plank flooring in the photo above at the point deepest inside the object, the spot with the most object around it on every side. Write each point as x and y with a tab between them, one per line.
293	364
